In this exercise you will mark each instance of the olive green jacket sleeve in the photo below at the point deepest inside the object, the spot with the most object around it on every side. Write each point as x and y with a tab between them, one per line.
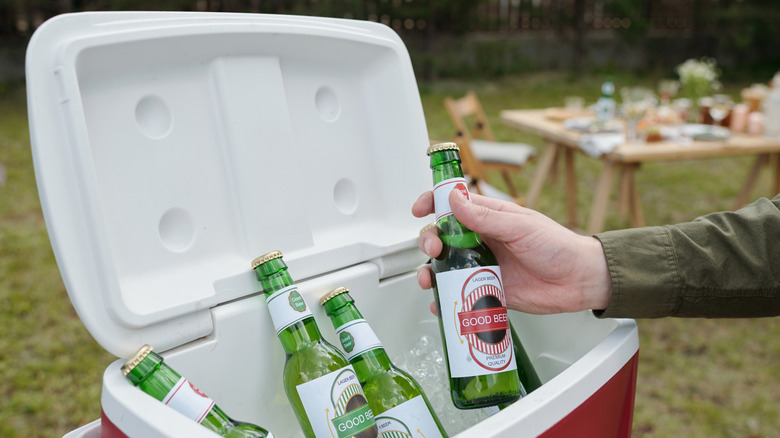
719	265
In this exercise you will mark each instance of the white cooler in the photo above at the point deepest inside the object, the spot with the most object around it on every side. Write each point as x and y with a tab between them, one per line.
171	149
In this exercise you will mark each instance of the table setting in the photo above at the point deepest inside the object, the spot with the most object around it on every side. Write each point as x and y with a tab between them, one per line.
683	111
681	119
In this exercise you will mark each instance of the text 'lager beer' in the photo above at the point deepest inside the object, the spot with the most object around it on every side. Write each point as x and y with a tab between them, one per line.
321	385
397	400
470	300
147	371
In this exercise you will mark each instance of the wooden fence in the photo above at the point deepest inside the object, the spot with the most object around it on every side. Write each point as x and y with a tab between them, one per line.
520	34
506	16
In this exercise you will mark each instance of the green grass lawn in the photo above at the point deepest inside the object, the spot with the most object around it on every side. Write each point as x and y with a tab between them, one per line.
50	367
697	378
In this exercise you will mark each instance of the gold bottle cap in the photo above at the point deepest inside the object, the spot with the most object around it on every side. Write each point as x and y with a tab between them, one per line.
427	227
136	359
266	258
448	146
333	294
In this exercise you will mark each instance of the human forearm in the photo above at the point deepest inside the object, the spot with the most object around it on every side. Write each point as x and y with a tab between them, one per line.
720	265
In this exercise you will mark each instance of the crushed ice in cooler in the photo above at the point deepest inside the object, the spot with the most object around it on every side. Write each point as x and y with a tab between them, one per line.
425	362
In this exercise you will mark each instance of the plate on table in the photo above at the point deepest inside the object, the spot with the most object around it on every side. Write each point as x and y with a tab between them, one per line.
706	132
589	124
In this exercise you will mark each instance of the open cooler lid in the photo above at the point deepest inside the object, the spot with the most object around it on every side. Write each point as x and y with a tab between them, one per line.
170	149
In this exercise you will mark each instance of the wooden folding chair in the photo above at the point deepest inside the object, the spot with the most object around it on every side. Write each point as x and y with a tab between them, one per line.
480	151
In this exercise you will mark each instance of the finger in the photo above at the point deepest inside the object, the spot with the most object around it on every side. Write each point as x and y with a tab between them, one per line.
433	308
495	204
424	277
430	243
423	206
496	224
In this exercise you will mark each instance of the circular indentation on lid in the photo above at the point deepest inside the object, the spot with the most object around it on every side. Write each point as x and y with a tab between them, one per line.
346	196
327	103
176	230
153	117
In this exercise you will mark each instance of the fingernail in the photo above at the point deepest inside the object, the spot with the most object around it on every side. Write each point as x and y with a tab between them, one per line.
427	247
420	273
461	197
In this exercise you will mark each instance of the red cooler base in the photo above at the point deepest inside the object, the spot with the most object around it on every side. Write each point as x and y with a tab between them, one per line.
607	413
107	428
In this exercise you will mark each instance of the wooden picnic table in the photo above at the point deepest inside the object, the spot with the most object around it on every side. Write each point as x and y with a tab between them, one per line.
626	159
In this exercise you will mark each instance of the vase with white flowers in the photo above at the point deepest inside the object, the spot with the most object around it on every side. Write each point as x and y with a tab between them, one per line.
699	78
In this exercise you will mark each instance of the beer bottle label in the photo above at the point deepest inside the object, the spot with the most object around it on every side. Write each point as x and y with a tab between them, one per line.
287	307
441	195
475	321
336	406
357	337
410	418
188	400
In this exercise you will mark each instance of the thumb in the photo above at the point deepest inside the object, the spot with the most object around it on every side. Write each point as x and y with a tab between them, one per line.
484	221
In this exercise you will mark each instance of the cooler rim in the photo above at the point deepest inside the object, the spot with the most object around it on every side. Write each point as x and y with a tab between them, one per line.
557	398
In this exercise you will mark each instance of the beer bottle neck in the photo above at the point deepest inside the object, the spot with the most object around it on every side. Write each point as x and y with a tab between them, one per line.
157	379
153	376
300	335
273	277
342	310
371	363
445	166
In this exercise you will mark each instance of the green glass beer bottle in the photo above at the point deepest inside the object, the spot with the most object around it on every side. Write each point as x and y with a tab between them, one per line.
147	371
470	300
321	385
396	399
525	369
526	372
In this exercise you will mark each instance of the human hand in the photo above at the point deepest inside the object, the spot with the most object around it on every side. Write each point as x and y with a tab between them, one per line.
546	268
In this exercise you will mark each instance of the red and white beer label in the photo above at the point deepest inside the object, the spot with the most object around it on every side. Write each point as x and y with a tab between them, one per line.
441	195
188	400
475	320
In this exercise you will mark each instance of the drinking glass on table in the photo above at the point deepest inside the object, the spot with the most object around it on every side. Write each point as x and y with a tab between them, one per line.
574	103
636	102
721	105
667	89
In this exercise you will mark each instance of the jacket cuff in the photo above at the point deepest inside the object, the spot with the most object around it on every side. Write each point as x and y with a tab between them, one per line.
644	272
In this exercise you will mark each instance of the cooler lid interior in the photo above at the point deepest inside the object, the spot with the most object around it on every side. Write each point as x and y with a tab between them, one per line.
171	149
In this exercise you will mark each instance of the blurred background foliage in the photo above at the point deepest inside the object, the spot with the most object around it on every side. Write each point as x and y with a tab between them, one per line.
475	38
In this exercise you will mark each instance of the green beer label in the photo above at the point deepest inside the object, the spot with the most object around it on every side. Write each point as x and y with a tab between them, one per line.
347	341
354	422
296	301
